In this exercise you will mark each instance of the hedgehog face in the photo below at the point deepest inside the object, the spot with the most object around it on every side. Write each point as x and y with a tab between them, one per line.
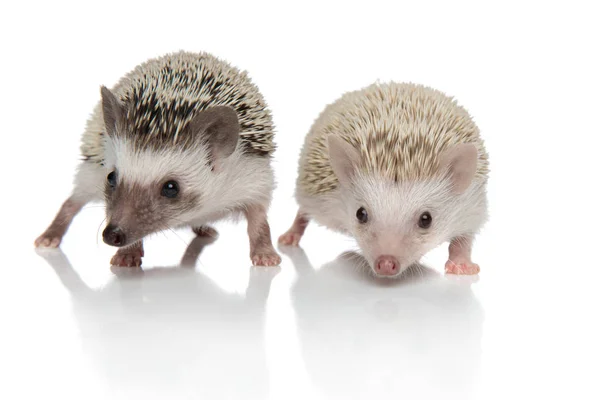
147	191
135	209
396	223
153	184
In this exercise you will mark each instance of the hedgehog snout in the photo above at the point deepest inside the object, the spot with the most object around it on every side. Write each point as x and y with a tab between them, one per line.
123	232
114	236
386	266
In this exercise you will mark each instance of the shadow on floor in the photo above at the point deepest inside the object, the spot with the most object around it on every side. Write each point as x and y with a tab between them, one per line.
147	331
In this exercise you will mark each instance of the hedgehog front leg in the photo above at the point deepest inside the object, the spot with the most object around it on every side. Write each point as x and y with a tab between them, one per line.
130	256
57	229
262	252
459	261
294	234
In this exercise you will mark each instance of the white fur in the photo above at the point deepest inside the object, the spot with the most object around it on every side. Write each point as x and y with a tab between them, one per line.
237	181
89	182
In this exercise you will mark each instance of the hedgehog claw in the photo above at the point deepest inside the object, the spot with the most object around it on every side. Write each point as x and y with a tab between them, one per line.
268	258
206	231
461	268
128	257
48	240
290	239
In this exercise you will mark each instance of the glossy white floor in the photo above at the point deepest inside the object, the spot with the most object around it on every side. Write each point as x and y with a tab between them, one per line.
318	327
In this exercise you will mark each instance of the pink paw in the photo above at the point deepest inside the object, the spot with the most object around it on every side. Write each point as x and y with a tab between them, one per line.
290	239
461	268
127	258
48	239
268	258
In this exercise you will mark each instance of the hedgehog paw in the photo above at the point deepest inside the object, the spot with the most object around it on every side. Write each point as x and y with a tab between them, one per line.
461	268
127	257
48	239
266	258
290	238
206	231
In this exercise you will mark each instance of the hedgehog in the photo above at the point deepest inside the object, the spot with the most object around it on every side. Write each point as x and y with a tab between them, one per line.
401	168
182	140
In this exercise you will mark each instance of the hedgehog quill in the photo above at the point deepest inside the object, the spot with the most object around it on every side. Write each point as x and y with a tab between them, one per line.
181	140
401	168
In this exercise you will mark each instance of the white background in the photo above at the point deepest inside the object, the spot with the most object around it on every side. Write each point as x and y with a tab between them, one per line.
527	328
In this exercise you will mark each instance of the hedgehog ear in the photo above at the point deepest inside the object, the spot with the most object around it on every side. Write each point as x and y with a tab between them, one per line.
343	157
112	110
460	163
219	128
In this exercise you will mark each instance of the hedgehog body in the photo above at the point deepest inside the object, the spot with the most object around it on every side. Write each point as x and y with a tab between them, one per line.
162	95
399	129
389	154
182	140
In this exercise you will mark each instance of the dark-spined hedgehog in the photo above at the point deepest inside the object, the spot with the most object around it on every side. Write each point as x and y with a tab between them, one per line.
182	140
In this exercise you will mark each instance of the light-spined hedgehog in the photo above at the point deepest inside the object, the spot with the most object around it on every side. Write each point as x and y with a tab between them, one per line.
401	168
182	140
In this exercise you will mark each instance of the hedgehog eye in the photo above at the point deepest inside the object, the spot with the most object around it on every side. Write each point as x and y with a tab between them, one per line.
112	179
425	220
170	189
362	215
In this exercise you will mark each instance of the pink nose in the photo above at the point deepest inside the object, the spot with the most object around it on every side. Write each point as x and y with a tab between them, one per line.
386	265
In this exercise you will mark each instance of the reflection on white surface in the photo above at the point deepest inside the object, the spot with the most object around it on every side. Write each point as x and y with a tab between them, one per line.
362	337
153	333
172	332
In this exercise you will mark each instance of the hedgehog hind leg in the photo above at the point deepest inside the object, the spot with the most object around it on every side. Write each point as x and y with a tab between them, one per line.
206	231
294	234
87	188
262	251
